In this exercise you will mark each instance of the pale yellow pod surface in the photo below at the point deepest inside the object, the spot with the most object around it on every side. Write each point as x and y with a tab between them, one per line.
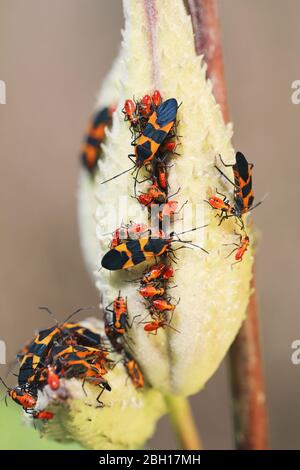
213	294
126	421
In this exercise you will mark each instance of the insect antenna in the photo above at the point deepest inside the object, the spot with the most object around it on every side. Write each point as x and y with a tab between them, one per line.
120	174
190	247
77	311
2	381
226	177
50	312
257	204
188	242
172	327
191	230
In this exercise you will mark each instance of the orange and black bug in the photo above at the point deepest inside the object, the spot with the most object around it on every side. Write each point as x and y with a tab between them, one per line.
153	135
36	352
82	335
241	248
81	352
243	193
134	252
69	357
91	150
92	373
134	371
116	322
28	373
155	132
119	315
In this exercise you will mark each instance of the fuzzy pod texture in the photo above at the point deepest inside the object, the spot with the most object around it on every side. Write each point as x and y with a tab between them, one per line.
158	53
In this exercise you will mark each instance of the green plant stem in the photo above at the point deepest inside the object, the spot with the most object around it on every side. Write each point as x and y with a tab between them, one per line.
183	422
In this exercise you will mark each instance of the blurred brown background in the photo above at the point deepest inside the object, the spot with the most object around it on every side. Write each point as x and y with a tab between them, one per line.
53	56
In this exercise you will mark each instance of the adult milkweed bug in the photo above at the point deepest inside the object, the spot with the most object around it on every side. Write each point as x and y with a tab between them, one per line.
92	373
35	356
243	193
36	352
81	352
134	252
82	335
155	132
134	371
28	370
153	135
91	150
39	348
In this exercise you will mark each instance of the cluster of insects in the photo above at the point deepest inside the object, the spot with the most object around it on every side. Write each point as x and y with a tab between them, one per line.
152	123
116	325
243	201
64	351
70	350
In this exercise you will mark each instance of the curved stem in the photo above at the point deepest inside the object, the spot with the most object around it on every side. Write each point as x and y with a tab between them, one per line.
183	422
